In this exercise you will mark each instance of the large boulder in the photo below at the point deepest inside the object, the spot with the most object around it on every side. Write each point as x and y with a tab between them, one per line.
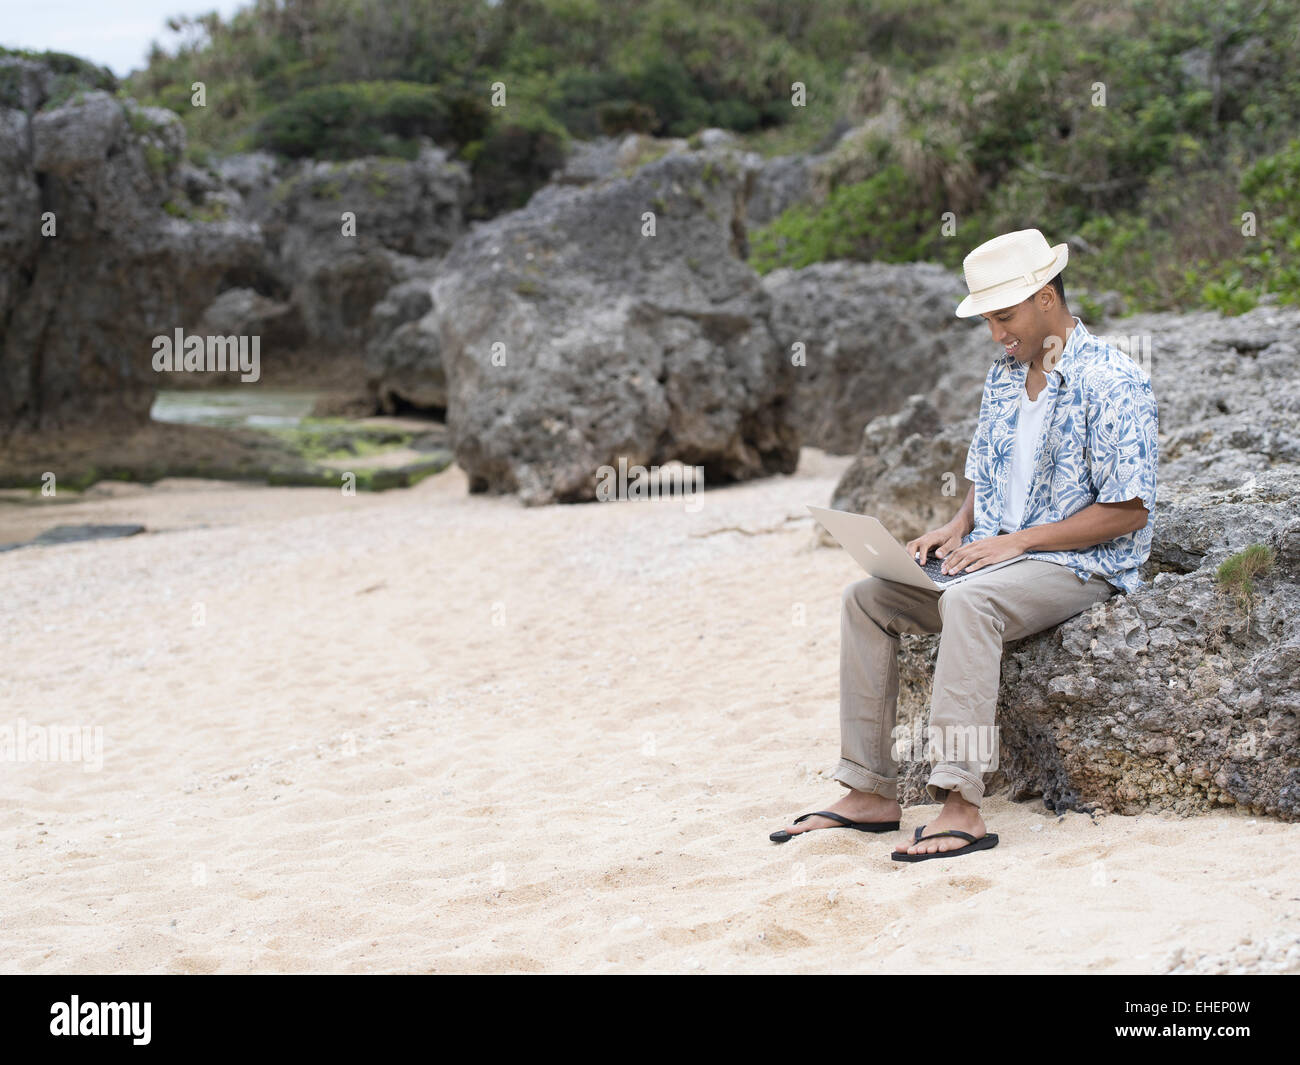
404	212
99	256
570	340
872	334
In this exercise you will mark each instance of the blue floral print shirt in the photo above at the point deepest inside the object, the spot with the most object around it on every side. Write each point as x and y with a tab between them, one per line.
1097	445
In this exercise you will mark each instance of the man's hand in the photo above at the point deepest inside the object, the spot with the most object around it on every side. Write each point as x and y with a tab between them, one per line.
981	553
944	540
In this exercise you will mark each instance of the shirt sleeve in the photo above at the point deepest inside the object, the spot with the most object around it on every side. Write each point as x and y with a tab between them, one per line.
1122	443
981	431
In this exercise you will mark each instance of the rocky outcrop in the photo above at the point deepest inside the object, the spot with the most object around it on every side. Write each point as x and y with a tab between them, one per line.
339	236
403	359
97	256
909	470
1183	695
244	312
570	339
871	334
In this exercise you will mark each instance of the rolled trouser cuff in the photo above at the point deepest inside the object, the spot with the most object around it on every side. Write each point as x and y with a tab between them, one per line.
854	776
945	778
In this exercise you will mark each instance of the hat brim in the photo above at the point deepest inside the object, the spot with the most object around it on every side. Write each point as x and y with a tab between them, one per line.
973	305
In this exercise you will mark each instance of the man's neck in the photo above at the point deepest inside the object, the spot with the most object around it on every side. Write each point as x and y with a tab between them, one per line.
1054	341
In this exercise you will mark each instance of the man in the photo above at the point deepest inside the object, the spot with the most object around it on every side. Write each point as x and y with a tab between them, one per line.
1063	470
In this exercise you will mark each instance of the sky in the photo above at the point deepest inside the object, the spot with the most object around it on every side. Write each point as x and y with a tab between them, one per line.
112	33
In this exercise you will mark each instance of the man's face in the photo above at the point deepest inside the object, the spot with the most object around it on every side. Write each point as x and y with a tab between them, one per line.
1021	329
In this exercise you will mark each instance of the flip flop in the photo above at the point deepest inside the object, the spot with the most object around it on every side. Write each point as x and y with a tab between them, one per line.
781	835
982	843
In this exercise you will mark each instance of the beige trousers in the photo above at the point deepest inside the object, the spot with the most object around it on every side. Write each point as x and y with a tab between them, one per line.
974	619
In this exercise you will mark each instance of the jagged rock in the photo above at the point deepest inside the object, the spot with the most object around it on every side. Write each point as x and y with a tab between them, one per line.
81	304
588	161
909	472
570	340
413	207
243	312
406	213
779	184
403	359
873	334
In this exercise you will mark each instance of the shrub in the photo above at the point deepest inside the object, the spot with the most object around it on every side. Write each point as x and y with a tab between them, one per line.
369	118
879	218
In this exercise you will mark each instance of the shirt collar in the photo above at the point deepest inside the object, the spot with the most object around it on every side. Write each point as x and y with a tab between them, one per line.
1065	364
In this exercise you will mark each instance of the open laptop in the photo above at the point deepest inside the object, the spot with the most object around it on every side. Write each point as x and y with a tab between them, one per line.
881	555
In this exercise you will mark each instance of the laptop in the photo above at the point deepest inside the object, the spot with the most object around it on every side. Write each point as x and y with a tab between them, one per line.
882	556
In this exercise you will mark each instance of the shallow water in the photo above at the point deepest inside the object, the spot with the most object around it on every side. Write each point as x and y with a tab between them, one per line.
254	408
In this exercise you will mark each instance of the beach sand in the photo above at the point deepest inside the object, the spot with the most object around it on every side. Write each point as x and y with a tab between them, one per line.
423	731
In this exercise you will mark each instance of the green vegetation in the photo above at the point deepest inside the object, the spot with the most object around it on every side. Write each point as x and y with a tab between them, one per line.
988	114
368	118
1236	574
1200	99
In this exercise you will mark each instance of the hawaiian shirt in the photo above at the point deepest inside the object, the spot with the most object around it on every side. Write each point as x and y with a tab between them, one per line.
1097	445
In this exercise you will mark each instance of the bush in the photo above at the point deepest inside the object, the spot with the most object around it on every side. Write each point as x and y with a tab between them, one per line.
879	218
369	118
1268	189
518	156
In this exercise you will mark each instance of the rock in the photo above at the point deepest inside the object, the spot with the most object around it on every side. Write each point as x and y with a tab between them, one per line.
570	340
82	303
909	471
243	312
405	214
71	534
713	137
873	334
588	161
78	137
779	184
413	207
403	359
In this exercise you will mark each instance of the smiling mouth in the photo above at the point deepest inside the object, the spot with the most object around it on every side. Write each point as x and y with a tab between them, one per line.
1011	349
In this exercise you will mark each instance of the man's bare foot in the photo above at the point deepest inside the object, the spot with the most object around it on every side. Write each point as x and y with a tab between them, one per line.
956	813
856	806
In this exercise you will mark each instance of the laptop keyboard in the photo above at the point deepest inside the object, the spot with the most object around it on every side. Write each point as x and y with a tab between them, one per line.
931	568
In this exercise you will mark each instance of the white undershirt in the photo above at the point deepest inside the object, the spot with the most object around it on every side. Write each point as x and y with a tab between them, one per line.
1028	425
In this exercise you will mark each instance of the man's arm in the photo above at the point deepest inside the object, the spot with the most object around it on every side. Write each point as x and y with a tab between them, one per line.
1094	524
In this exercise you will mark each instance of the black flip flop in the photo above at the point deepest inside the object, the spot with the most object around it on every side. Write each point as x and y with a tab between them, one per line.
781	835
982	843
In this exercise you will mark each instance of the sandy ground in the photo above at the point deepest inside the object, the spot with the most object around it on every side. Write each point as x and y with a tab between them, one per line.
423	731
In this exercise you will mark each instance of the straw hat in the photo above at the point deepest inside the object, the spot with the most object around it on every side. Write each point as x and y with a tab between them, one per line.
1008	269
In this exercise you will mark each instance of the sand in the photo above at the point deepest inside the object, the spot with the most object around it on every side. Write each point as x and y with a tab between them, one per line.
428	732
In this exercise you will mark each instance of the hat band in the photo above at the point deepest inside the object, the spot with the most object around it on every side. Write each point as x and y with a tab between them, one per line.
1012	283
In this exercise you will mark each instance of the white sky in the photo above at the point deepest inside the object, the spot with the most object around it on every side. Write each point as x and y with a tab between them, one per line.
112	33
